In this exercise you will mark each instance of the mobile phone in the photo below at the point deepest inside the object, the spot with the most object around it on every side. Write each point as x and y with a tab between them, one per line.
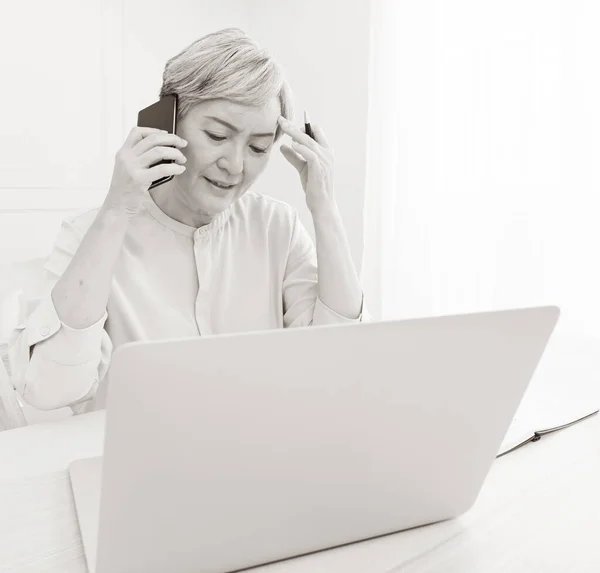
161	115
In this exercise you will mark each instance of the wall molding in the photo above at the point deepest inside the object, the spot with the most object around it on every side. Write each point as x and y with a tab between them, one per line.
66	128
35	199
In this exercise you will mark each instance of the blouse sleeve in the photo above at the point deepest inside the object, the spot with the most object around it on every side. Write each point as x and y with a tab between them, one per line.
52	364
301	303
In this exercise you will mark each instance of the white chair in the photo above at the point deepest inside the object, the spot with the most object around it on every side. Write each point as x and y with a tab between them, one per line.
11	413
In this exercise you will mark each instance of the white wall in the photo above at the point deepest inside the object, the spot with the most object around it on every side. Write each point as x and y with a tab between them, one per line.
323	48
76	88
61	88
491	200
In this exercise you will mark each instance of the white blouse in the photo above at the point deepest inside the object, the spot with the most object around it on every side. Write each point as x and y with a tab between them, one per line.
252	268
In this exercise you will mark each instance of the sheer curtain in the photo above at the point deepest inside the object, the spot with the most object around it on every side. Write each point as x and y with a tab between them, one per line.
483	166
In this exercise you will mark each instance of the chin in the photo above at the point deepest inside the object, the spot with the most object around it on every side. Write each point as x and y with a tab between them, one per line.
213	204
213	201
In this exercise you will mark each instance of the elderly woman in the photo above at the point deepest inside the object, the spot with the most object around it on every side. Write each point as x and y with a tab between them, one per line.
200	254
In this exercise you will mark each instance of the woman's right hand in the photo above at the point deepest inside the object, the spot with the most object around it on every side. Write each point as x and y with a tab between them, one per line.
133	174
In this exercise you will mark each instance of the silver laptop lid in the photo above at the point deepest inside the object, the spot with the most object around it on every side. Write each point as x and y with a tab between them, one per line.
231	451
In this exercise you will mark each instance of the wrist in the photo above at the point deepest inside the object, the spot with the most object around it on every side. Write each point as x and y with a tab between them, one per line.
113	216
326	212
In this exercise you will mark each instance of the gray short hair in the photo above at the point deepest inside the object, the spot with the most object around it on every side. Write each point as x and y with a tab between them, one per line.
226	65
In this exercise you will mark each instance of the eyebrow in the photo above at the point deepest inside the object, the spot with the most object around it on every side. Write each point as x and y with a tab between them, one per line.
234	128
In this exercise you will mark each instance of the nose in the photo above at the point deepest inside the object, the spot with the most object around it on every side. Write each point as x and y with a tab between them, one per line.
232	160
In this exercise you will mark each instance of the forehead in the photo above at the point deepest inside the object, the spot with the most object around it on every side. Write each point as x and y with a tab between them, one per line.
246	118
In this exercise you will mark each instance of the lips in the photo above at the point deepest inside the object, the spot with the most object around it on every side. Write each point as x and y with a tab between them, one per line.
220	184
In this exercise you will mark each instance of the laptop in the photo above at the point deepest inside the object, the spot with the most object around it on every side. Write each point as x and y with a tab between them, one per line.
227	452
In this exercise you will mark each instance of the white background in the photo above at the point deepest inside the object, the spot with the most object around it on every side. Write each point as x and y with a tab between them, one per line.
484	165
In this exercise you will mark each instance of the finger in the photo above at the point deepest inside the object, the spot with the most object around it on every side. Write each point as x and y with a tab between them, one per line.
138	133
156	139
164	170
297	134
293	157
320	135
306	153
157	154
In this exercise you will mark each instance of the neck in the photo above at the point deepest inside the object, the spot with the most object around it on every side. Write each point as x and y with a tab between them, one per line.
171	200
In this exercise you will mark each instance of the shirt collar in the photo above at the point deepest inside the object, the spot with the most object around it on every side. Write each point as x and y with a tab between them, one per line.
182	228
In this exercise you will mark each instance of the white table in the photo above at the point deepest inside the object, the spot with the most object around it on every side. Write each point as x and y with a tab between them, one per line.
539	510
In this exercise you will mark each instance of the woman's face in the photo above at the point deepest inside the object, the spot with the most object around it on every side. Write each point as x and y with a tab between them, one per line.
229	145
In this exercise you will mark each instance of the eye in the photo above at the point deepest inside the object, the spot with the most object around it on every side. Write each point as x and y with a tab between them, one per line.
258	149
215	137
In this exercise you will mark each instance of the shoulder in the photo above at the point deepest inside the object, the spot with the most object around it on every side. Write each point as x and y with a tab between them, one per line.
258	203
266	213
74	227
273	223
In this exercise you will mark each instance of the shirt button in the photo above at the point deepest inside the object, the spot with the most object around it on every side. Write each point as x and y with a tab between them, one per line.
44	331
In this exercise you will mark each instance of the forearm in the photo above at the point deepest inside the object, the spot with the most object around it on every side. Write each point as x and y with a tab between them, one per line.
81	294
339	285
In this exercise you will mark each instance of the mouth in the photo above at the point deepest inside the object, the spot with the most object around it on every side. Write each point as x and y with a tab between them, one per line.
220	185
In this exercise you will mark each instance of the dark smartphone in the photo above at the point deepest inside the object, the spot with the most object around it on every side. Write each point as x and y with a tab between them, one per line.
161	115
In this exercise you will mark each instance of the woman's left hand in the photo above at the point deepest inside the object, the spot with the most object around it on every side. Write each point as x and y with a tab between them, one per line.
314	162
